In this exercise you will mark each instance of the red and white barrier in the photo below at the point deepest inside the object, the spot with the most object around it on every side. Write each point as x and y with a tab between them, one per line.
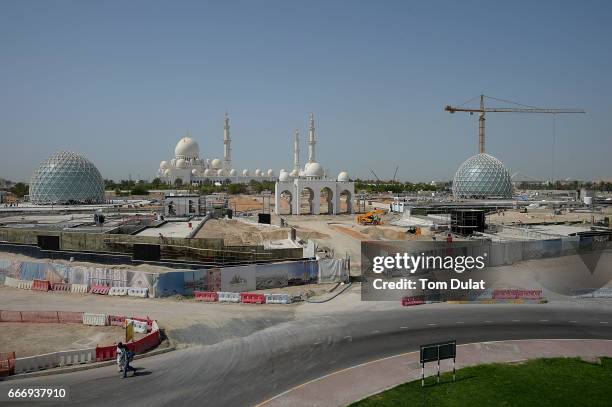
100	289
61	286
252	298
206	296
41	285
95	319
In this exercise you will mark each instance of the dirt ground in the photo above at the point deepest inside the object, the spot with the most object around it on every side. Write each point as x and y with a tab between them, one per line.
544	215
48	337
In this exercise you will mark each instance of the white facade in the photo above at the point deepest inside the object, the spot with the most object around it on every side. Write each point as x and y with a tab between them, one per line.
304	189
191	169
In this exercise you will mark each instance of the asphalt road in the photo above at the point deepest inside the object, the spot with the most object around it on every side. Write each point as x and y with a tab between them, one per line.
245	371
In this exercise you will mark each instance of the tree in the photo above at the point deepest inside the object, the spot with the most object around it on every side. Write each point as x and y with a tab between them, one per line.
20	189
139	189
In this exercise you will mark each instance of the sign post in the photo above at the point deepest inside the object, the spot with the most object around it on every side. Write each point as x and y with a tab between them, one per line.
435	352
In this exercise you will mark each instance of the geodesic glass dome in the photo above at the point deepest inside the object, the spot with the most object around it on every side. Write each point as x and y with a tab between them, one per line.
65	178
482	176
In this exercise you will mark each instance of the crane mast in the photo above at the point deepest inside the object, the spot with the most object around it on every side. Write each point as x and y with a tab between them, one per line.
483	110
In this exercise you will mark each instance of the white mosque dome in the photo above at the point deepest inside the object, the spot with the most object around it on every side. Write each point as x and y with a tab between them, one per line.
270	172
284	176
233	172
164	165
167	172
221	172
294	173
194	172
207	172
343	177
187	148
181	163
258	172
306	166
245	172
283	170
216	164
314	169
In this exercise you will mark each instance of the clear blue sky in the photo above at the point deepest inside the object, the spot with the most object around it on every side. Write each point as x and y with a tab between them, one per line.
122	81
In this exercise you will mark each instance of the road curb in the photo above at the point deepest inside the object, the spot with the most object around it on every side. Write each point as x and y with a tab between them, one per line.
87	366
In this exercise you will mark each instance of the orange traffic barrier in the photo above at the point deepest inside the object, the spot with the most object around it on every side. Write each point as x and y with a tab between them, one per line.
116	320
99	289
41	285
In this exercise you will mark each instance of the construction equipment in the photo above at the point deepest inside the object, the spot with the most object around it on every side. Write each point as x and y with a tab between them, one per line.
372	171
395	173
482	110
371	218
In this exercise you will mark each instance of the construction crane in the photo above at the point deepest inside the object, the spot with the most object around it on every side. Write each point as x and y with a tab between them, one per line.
483	110
372	171
395	173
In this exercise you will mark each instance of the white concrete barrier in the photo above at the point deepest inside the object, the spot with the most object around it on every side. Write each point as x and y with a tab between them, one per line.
35	363
75	357
95	319
228	297
79	288
138	292
11	282
154	326
139	326
278	299
118	291
25	285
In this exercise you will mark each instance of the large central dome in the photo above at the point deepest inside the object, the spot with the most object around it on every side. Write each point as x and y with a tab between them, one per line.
187	148
66	177
482	176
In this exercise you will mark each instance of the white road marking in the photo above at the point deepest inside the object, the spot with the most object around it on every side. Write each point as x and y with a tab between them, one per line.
348	337
488	322
459	322
376	332
403	327
516	320
432	324
317	343
573	321
543	320
603	322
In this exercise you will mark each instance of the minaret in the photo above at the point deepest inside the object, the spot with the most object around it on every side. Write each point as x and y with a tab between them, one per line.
227	149
296	152
311	140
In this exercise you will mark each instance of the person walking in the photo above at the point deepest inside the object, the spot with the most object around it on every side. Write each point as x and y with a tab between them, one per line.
119	352
126	357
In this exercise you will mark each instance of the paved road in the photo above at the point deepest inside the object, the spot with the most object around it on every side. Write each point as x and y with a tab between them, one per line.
248	370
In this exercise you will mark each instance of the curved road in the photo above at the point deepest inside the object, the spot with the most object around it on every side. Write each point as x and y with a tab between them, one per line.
245	371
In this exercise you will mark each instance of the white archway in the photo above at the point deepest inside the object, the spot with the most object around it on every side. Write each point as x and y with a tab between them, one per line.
345	202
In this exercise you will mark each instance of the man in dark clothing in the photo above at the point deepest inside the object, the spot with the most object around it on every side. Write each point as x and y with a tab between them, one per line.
126	357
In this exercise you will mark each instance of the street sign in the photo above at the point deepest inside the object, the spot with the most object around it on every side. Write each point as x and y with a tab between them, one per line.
436	352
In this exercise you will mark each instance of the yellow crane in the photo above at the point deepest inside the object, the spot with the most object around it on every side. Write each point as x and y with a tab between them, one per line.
482	110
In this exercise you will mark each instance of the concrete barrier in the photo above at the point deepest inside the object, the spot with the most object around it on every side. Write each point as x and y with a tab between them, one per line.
76	357
138	292
118	291
11	282
95	319
79	288
278	299
25	285
36	363
228	297
139	326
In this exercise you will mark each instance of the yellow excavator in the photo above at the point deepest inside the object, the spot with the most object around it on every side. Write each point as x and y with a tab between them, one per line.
371	218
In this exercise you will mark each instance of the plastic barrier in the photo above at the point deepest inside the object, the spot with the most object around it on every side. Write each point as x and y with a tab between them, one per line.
278	299
139	326
252	298
99	289
514	294
41	285
118	291
10	316
61	286
95	319
138	292
25	285
228	297
79	288
70	317
7	364
11	282
206	296
116	320
35	363
39	316
146	320
144	344
76	357
106	353
409	301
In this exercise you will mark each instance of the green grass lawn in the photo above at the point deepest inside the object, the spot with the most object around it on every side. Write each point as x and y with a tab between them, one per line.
540	382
